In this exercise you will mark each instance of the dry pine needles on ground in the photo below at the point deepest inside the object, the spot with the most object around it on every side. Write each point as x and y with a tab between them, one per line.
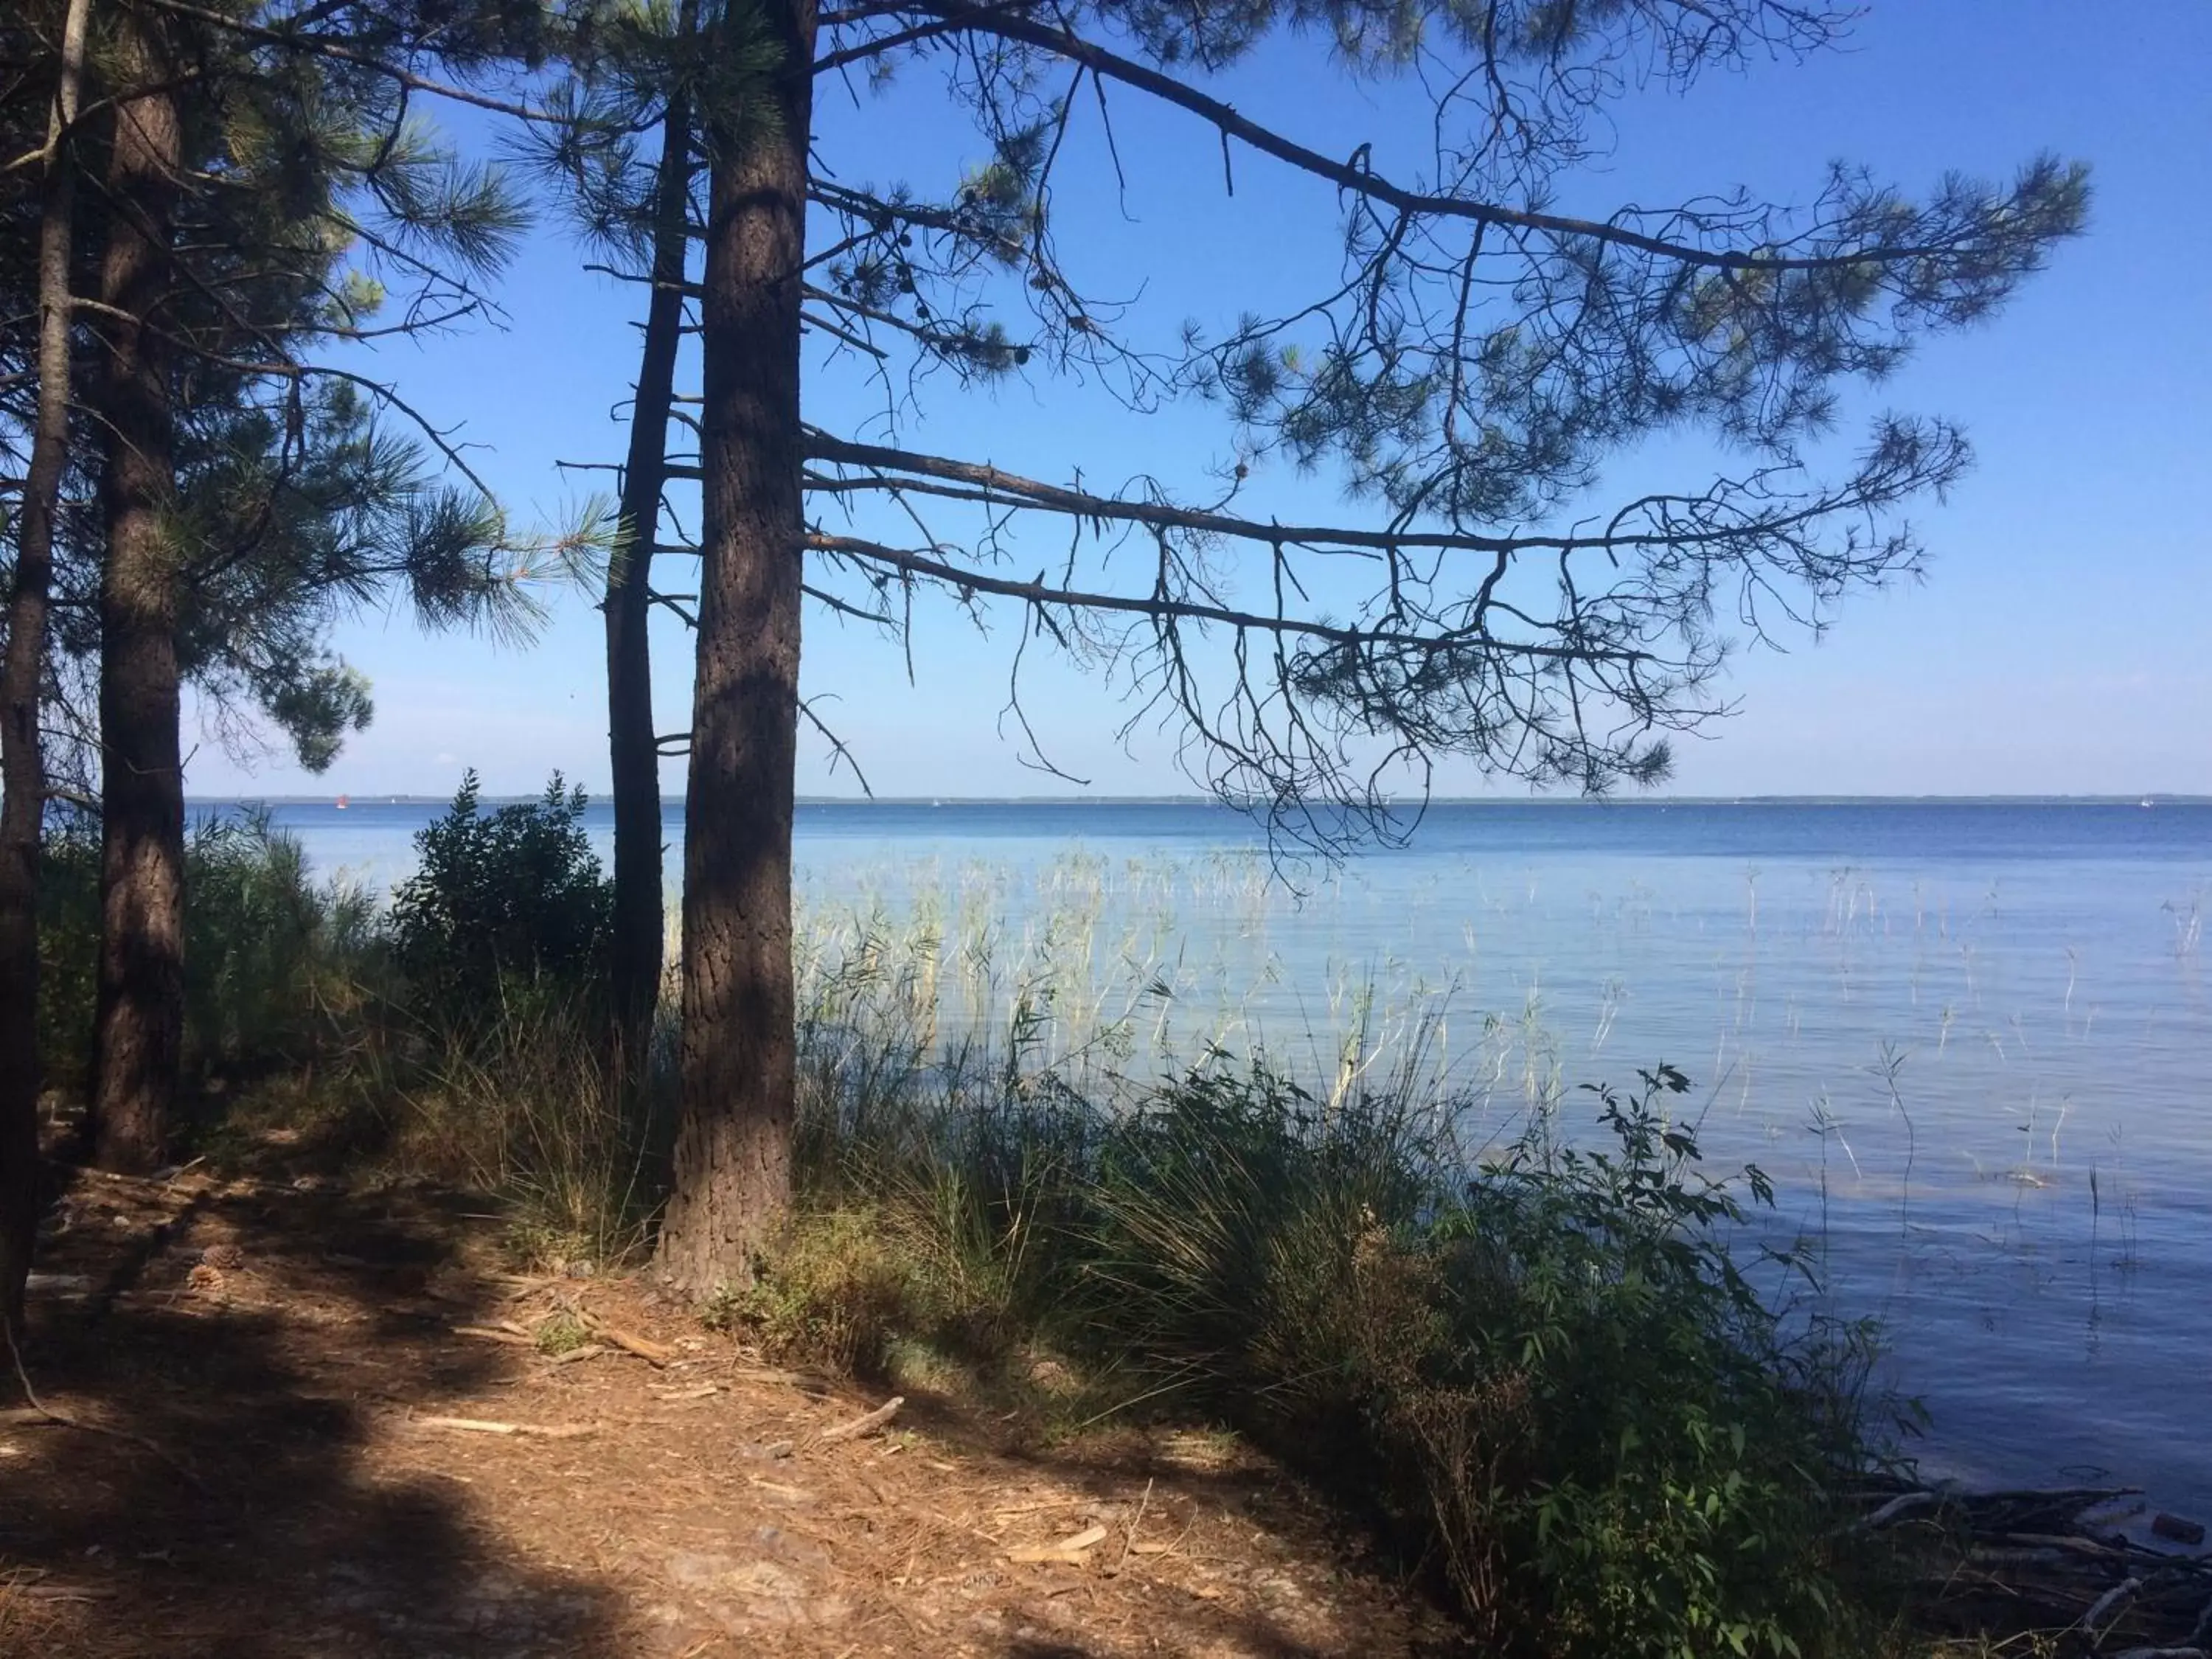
397	1450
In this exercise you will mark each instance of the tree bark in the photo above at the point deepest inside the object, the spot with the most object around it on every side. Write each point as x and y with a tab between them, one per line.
639	944
140	995
23	753
732	1170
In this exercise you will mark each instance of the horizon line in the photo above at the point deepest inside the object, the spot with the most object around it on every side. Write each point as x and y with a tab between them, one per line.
2042	797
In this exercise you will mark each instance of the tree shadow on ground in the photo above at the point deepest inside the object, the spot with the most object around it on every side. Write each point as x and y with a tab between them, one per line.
223	1500
245	1356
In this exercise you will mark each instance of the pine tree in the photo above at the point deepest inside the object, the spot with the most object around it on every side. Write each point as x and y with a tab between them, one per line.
1464	377
257	196
23	769
634	70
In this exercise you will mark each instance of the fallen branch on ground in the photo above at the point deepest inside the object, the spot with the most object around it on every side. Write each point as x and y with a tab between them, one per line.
861	1426
653	1353
1073	1551
2054	1563
486	1332
65	1420
485	1425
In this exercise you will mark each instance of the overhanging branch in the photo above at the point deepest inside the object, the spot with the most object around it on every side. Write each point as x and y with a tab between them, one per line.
1166	608
1358	180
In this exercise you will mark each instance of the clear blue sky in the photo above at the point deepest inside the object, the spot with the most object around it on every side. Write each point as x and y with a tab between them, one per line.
2060	644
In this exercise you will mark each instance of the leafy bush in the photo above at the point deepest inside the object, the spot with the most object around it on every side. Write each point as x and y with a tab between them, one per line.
269	955
1666	1489
69	949
516	893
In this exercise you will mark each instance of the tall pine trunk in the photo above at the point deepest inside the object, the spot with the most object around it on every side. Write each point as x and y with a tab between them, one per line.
141	947
640	929
732	1174
22	755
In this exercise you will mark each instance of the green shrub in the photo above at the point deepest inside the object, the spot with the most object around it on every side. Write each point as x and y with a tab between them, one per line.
69	949
273	961
1665	1490
514	894
840	1293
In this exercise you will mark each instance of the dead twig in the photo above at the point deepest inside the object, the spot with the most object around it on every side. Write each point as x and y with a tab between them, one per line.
1129	1539
65	1420
486	1426
488	1334
865	1424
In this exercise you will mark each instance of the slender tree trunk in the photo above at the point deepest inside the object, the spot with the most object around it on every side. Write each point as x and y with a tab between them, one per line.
22	756
733	1138
640	930
142	950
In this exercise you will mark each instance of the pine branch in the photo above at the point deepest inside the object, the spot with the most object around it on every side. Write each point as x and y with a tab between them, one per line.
990	486
322	47
1166	608
1359	181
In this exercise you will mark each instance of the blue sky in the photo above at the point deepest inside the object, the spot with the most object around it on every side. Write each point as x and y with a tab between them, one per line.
2060	644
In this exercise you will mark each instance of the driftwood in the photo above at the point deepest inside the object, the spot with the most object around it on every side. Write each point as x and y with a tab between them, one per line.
2106	1605
2004	1563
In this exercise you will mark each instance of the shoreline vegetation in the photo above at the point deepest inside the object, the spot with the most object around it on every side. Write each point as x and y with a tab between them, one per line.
1548	1380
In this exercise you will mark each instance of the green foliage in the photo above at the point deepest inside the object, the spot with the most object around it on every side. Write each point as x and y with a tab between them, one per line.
69	949
1551	1379
518	1103
515	893
1666	1493
296	514
843	1291
274	962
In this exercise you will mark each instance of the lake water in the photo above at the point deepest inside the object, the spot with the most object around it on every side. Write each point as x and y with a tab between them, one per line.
1973	1043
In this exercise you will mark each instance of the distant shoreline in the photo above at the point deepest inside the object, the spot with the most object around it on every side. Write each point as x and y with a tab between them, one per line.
2153	798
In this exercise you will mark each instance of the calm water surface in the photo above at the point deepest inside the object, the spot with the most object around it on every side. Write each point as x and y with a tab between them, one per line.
1971	1043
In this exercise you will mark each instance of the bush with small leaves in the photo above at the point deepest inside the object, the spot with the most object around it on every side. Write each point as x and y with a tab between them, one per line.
516	894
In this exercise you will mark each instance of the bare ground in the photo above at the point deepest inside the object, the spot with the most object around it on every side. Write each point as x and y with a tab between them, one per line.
253	1369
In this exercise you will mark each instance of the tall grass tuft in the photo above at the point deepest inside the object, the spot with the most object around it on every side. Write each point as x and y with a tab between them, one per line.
520	1101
